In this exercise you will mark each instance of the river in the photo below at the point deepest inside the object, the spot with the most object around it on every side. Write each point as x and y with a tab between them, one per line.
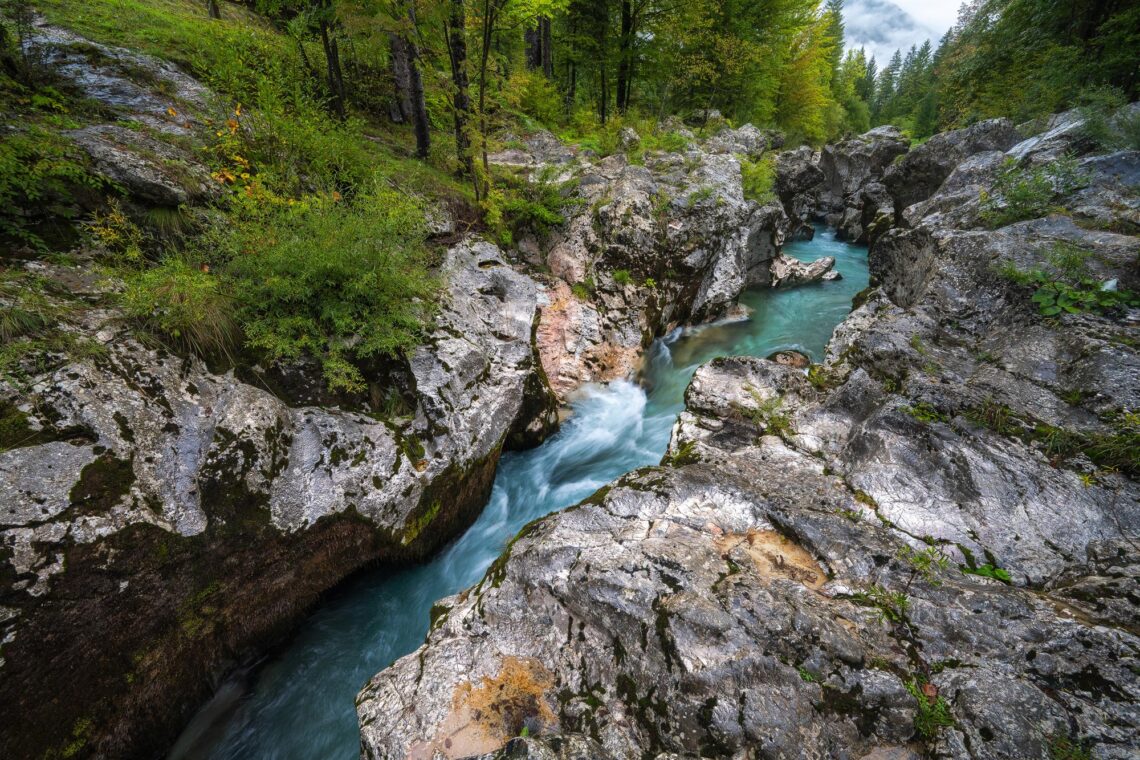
299	703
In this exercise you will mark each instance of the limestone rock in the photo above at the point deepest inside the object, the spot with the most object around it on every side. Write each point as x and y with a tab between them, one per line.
176	479
924	169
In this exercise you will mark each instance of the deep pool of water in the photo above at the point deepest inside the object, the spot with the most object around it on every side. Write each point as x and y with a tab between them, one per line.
299	705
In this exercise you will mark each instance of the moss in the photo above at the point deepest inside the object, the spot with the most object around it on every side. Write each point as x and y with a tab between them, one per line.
418	520
498	569
102	484
685	454
823	378
438	615
16	431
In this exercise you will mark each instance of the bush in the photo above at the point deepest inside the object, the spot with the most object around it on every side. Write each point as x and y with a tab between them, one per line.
759	179
1067	286
1109	124
1029	192
184	302
341	281
41	175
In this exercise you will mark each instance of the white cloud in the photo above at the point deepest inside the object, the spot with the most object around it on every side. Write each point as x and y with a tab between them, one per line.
883	26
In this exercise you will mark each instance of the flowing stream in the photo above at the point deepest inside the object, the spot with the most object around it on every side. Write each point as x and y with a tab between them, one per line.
300	703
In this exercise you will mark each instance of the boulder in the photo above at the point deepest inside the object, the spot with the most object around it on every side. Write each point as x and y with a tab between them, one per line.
922	171
645	248
152	171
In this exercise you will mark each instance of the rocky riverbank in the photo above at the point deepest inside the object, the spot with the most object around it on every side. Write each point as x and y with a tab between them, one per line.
165	520
925	546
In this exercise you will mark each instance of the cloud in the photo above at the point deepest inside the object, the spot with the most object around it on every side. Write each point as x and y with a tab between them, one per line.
882	26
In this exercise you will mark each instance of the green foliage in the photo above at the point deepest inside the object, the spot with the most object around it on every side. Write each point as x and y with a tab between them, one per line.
1061	747
759	179
1027	58
988	571
767	414
1029	192
806	675
341	281
892	606
622	276
516	206
926	563
1066	285
1107	124
180	300
35	333
41	177
933	711
924	412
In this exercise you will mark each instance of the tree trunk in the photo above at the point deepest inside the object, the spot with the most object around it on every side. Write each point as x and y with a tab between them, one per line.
461	98
532	37
605	99
401	108
213	9
419	106
489	11
625	49
332	64
546	39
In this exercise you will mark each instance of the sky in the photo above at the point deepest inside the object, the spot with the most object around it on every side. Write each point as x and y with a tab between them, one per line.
882	26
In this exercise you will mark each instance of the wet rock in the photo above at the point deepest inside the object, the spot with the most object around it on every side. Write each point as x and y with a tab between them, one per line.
151	170
830	185
747	141
917	549
628	139
787	270
791	359
124	81
645	248
253	507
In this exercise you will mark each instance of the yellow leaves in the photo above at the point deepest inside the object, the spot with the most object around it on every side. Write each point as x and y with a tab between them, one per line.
233	125
224	176
336	196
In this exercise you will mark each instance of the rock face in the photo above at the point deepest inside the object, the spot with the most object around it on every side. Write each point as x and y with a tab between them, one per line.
840	185
927	548
647	247
923	170
211	514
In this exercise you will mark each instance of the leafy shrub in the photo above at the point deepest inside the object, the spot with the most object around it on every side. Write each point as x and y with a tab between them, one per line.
1067	286
933	711
759	180
41	175
1108	124
529	93
185	302
1030	192
338	280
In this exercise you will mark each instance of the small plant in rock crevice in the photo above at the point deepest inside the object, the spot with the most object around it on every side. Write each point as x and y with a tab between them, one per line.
767	414
892	606
933	711
1029	192
925	563
1067	286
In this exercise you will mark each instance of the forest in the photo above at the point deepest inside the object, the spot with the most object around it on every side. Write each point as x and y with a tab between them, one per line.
335	104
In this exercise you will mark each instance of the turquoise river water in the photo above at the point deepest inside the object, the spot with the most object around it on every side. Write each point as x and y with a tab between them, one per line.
299	703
